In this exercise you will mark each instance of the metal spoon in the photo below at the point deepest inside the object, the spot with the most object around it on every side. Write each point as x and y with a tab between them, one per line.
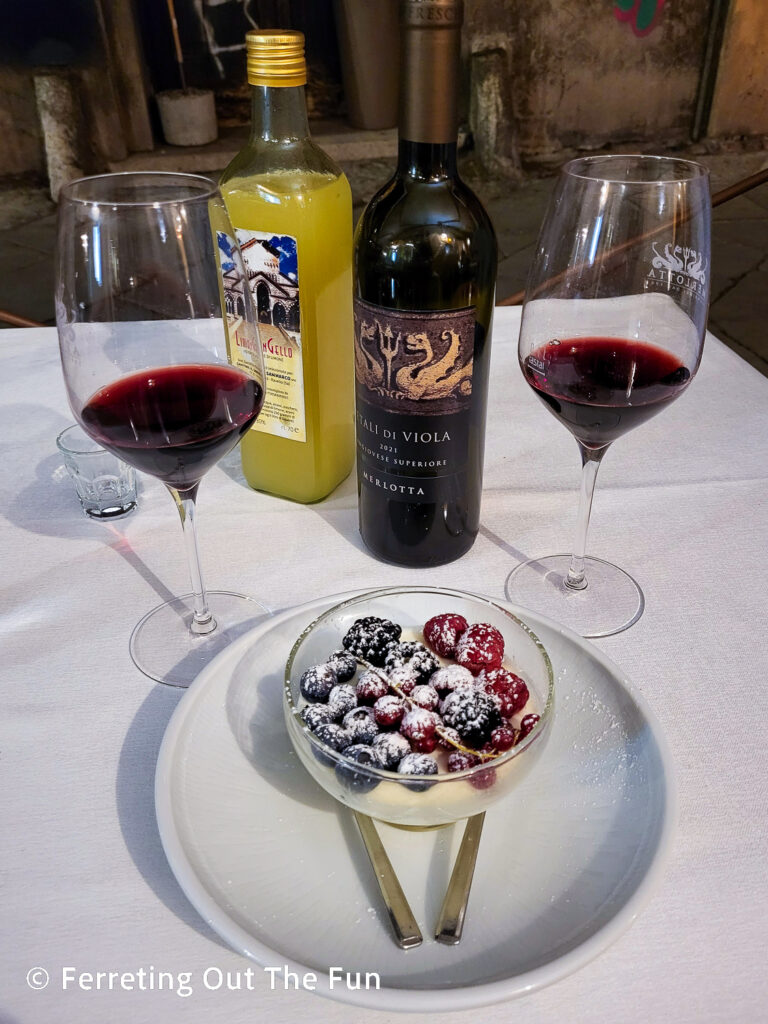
407	932
450	923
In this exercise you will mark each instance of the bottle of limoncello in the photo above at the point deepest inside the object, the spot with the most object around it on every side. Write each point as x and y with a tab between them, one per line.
291	208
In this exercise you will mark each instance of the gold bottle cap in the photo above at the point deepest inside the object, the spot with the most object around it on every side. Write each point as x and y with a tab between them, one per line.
275	57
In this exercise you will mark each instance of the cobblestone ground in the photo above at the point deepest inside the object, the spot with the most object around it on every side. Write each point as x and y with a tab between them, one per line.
739	304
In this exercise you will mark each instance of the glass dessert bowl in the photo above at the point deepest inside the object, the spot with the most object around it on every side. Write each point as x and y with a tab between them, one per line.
512	692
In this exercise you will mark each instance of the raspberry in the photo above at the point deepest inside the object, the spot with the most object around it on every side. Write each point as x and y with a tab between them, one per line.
370	638
391	748
370	686
389	710
425	696
419	724
402	679
480	646
444	737
459	761
473	714
527	724
503	738
341	699
443	631
317	682
361	725
509	689
483	779
449	677
343	664
414	656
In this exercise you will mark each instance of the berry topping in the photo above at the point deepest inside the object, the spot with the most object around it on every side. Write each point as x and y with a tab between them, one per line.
370	638
425	696
447	738
458	761
418	724
366	757
389	710
414	656
341	699
343	664
511	691
417	764
391	748
361	725
443	631
527	724
473	714
315	714
480	646
503	738
317	682
402	679
371	686
449	677
333	735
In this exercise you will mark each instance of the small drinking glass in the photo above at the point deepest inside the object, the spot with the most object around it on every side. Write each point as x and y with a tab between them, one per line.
105	485
612	331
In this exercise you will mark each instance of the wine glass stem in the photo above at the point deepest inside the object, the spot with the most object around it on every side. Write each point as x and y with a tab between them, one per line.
203	622
590	463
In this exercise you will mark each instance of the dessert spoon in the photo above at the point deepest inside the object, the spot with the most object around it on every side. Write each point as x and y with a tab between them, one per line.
450	922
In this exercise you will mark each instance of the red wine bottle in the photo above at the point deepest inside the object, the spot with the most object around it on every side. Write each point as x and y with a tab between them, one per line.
425	273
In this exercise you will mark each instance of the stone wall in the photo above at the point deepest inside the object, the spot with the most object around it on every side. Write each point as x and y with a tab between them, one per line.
585	73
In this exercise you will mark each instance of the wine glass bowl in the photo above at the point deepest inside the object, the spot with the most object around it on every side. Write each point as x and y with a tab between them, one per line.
612	332
154	368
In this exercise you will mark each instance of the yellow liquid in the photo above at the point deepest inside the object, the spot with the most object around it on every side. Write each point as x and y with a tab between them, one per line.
316	210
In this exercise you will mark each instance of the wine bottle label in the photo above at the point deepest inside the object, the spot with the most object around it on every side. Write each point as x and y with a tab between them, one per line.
242	338
414	393
273	277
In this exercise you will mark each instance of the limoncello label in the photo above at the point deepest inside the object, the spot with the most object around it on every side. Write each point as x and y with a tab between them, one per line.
273	277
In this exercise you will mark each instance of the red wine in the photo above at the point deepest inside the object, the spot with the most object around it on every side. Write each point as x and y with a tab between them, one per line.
425	270
174	422
602	387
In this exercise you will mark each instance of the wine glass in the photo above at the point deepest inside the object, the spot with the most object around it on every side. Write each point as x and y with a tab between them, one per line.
161	366
612	331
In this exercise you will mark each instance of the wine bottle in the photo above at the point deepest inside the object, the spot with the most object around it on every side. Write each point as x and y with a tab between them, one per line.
425	272
291	207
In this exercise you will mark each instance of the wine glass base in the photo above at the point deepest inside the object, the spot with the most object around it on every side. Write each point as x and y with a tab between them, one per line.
163	647
610	603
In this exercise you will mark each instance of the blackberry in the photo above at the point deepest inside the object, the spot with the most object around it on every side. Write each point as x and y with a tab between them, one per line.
361	725
341	699
415	657
391	748
315	714
473	714
418	764
317	682
370	638
360	781
343	664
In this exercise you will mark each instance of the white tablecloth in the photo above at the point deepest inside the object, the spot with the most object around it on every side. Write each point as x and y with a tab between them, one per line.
682	503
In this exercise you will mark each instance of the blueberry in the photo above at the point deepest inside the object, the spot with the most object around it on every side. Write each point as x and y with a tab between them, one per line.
333	736
391	748
360	781
317	682
315	714
343	664
418	764
341	699
361	725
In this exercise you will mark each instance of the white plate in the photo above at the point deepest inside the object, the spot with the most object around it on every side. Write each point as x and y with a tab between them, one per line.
278	869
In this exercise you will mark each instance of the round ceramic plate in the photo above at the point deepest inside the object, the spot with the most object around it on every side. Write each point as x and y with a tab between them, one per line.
278	868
